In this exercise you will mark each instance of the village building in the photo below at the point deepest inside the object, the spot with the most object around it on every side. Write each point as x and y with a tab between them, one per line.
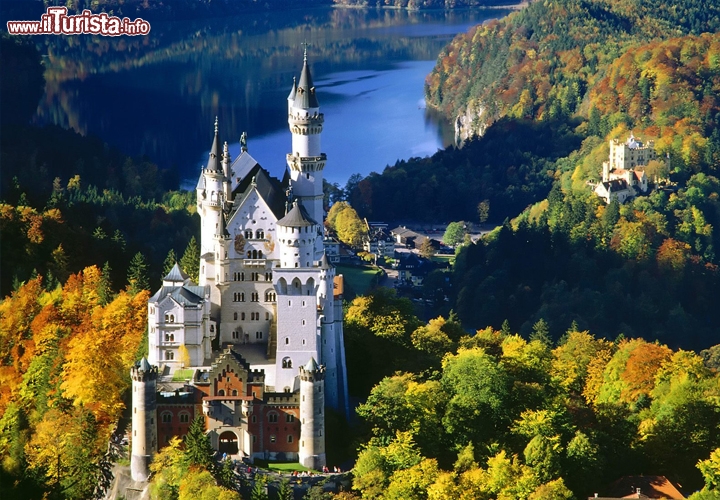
379	241
256	347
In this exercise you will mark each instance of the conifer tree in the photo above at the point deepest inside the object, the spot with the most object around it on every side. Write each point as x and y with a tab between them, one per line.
137	274
259	490
541	332
190	261
105	286
285	491
198	450
170	261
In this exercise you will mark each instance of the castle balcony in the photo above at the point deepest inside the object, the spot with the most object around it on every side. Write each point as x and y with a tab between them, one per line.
211	203
254	262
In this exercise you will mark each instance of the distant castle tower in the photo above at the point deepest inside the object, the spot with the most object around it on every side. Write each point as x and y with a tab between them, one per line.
312	415
144	424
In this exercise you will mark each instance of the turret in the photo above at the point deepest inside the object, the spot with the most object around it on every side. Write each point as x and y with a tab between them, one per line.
297	235
312	415
306	161
144	424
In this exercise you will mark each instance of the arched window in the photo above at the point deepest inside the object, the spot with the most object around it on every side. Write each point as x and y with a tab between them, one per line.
260	254
221	392
290	438
184	418
235	316
169	355
248	234
249	254
166	417
287	363
242	316
272	418
234	392
259	234
254	254
287	340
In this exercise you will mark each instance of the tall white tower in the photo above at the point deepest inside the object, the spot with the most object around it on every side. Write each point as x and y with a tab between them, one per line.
312	415
306	161
210	201
144	423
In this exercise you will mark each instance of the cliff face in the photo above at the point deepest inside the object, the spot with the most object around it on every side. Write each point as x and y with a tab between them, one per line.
472	122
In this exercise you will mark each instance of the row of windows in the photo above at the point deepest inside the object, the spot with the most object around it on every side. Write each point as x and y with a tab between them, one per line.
166	418
259	234
273	418
253	276
254	297
221	392
254	316
169	318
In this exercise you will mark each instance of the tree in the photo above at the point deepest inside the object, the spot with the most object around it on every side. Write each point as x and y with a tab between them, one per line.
285	491
259	489
454	233
483	210
427	250
169	262
137	274
105	291
541	332
198	449
350	229
190	261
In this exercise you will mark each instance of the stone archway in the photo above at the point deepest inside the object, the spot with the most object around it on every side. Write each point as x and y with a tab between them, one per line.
228	443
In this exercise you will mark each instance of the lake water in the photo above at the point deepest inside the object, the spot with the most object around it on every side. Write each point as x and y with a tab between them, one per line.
158	95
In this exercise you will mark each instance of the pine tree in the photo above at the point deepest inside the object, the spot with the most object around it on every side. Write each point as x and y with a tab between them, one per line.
259	490
226	475
170	261
541	332
198	450
137	274
190	261
105	287
285	491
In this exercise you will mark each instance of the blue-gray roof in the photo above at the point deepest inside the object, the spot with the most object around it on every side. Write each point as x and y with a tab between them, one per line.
185	295
305	95
297	217
176	274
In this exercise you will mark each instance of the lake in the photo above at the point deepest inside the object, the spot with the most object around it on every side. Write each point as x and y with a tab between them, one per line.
159	95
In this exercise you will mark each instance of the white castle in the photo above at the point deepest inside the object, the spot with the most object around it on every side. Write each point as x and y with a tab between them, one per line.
257	345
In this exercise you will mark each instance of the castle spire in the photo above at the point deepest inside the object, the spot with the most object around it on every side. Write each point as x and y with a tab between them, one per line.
213	163
306	97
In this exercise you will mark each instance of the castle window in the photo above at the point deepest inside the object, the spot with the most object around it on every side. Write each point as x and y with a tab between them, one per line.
259	234
166	418
254	419
184	418
260	254
234	392
248	234
169	355
255	297
289	417
249	254
212	328
290	438
221	392
303	322
272	438
286	389
287	363
268	276
287	340
242	316
258	335
242	276
270	297
254	438
272	418
267	316
303	342
235	316
235	335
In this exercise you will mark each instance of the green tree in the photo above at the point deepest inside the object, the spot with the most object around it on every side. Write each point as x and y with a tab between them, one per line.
541	332
105	291
285	491
169	262
190	261
259	489
137	274
427	250
454	233
198	449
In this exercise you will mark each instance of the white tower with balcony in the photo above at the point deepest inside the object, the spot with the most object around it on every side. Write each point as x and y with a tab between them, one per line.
306	161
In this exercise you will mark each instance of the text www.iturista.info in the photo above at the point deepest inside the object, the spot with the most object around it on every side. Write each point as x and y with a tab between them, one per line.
57	22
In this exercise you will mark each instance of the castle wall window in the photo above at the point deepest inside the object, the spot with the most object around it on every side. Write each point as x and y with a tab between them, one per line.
287	340
255	297
242	316
289	438
249	254
248	234
184	418
260	255
221	392
235	316
289	418
258	335
268	276
254	419
272	418
267	316
254	438
259	234
169	355
242	276
273	438
235	335
166	418
287	363
212	328
234	392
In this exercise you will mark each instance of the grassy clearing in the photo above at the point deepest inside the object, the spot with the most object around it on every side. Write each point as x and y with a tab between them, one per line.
443	259
359	278
181	375
283	467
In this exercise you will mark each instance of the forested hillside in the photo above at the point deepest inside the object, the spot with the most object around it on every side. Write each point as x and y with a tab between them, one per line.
424	4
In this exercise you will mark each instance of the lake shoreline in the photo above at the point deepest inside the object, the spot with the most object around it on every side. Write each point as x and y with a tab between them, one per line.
514	6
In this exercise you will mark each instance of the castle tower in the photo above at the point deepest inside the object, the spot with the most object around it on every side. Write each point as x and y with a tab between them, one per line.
144	424
312	415
306	161
210	200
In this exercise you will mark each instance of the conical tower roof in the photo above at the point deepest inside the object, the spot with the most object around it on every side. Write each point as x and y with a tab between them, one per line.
305	97
310	366
213	163
297	217
143	365
324	262
293	90
176	274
